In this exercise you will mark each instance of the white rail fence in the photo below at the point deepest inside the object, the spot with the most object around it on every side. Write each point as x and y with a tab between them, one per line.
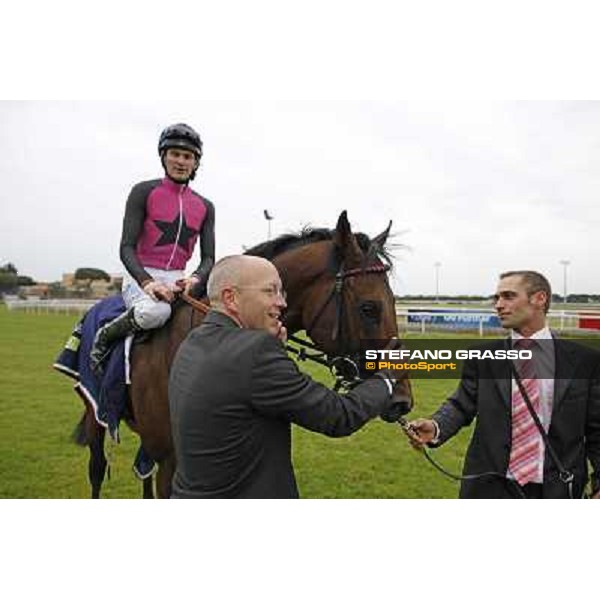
65	306
418	318
425	319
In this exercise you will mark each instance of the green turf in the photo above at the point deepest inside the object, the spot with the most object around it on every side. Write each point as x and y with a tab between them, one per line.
39	410
377	462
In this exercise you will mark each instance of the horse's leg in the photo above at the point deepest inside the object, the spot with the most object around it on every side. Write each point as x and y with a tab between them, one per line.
148	394
89	433
148	488
97	464
164	476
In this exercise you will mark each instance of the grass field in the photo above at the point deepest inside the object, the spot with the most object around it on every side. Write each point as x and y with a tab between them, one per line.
39	410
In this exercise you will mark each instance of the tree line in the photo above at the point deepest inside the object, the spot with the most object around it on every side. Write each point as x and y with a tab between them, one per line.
11	280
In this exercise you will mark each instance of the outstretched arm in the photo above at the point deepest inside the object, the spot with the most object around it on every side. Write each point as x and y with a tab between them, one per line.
281	391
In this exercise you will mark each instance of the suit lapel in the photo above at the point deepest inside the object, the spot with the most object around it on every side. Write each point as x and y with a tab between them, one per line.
502	376
565	365
563	371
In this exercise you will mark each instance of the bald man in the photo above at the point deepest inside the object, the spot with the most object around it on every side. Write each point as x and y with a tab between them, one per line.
234	392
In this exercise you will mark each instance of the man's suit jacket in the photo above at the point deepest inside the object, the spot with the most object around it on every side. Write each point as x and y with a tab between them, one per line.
485	392
233	393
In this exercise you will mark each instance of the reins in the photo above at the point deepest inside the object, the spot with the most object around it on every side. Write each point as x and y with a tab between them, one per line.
336	365
411	433
564	475
196	305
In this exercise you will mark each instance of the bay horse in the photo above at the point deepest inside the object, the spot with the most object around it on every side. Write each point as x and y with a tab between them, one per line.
337	291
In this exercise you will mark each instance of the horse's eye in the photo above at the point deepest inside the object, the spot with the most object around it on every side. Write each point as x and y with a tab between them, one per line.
370	310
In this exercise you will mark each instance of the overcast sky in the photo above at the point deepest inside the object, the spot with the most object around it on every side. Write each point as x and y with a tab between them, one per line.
480	187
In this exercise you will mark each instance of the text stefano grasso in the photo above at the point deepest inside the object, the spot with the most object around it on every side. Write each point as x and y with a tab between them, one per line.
407	354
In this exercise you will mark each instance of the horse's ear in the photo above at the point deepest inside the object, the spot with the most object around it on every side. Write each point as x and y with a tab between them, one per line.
343	233
380	240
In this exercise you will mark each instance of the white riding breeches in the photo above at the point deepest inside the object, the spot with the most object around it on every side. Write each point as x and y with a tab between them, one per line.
148	313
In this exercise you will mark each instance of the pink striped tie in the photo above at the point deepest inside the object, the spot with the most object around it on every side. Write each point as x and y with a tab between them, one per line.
526	440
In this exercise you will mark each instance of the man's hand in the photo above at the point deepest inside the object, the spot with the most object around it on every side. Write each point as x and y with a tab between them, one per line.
596	496
159	291
282	335
423	430
402	398
188	283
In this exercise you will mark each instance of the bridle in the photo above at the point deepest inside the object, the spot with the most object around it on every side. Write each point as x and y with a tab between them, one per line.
343	365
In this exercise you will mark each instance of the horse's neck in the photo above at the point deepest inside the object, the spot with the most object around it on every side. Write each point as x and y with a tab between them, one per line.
299	269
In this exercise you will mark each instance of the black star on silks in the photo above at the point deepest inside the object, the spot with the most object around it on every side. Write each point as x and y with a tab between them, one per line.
169	233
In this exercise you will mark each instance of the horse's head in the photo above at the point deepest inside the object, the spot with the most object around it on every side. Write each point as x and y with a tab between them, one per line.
346	300
338	290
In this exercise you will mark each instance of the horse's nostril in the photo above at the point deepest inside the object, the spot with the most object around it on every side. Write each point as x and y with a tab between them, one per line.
402	406
406	404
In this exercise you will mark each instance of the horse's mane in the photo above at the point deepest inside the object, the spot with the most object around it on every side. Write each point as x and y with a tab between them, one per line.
310	235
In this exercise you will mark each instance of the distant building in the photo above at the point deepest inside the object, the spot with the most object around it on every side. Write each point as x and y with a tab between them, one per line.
116	280
90	288
68	280
37	291
100	288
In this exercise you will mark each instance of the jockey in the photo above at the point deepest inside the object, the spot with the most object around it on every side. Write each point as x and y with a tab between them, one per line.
163	218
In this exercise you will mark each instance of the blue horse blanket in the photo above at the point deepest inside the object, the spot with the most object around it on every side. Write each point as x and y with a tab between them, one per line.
108	395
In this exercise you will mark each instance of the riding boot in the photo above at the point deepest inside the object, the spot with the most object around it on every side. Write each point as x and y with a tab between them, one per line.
114	330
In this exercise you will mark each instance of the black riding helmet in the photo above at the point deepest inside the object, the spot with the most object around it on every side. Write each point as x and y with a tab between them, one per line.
183	136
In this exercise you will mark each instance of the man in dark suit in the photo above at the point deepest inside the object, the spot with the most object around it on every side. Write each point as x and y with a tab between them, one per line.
563	385
234	392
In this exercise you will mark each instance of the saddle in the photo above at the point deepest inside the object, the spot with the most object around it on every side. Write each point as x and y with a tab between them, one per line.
108	396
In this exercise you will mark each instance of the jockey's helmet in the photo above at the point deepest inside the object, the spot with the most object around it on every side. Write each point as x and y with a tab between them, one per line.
180	135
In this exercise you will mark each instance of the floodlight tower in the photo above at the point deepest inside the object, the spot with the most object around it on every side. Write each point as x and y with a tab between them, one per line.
269	218
437	266
565	264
